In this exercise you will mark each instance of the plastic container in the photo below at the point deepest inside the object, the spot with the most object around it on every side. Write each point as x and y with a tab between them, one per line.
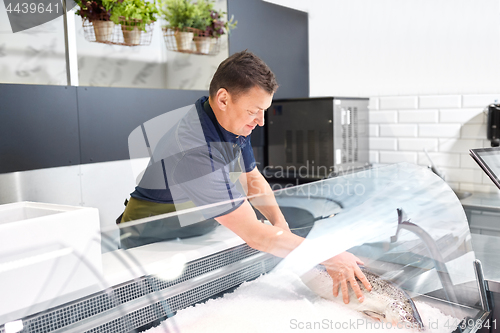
49	255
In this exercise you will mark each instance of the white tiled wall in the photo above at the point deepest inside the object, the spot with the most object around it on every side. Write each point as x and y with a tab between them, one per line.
447	126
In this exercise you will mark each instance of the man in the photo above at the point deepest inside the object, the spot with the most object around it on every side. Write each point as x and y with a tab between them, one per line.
193	163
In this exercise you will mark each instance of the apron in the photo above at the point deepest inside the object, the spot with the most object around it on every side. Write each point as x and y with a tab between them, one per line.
166	228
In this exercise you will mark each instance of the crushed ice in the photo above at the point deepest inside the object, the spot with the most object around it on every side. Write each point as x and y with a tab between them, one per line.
267	304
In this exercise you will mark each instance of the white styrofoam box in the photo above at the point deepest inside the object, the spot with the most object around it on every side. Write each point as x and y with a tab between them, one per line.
462	146
398	130
462	116
440	159
373	156
383	117
439	130
373	103
397	157
470	187
418	144
373	130
78	185
471	101
49	255
466	161
462	175
476	131
418	116
441	102
394	103
383	144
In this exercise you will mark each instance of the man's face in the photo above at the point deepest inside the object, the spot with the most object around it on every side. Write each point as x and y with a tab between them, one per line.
245	111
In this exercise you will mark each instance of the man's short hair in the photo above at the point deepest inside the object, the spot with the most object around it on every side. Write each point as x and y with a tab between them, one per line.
241	72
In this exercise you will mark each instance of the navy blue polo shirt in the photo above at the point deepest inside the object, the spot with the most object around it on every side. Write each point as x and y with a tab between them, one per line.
194	161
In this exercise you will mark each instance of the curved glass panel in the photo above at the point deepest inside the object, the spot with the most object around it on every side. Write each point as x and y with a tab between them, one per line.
403	221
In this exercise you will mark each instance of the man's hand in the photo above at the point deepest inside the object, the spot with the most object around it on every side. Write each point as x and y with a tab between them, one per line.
344	268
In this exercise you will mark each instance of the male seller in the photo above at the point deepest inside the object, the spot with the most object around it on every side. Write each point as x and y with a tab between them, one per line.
196	162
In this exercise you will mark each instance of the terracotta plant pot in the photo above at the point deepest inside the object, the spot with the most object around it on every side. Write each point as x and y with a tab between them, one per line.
213	43
203	44
103	30
131	37
184	40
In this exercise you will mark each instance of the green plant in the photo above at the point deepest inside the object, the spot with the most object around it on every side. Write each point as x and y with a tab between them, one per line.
179	14
94	10
201	15
202	18
133	13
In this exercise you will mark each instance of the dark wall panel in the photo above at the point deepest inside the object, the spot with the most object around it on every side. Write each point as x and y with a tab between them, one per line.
279	36
108	115
38	127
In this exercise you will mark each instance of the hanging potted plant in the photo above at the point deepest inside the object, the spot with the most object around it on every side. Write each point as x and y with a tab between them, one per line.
215	29
134	16
96	16
180	16
193	21
201	20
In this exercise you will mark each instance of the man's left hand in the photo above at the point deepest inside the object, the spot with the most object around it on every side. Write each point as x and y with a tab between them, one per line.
344	268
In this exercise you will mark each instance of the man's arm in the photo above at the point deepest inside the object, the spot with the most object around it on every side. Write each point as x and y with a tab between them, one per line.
262	197
280	242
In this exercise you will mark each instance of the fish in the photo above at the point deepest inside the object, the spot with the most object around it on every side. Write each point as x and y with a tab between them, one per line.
386	302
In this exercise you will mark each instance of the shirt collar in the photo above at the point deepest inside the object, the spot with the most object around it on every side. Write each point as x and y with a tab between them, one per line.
227	136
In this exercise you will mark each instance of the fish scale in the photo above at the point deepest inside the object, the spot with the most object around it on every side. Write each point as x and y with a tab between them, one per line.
381	285
385	302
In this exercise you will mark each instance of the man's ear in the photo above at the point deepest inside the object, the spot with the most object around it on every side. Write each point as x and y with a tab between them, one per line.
221	98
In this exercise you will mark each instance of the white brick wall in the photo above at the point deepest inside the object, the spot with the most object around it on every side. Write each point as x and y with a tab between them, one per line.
395	103
383	144
439	130
389	157
471	101
417	144
461	146
440	159
418	116
469	116
447	126
398	130
428	102
380	117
